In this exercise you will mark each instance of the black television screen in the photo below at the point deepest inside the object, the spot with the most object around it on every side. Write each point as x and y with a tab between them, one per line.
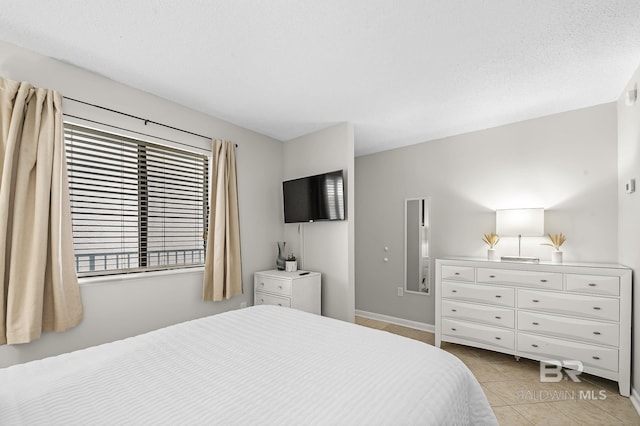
312	198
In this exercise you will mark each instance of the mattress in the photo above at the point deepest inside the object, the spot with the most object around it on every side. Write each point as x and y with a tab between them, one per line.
260	365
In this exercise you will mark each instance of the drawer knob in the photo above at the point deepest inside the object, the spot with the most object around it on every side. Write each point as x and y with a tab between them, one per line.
280	287
592	284
454	310
535	300
597	308
279	304
498	296
597	333
543	281
595	357
453	329
456	273
498	338
492	276
498	317
454	291
534	345
262	284
535	323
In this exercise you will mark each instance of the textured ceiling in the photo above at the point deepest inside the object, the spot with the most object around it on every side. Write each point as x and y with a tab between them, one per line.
402	72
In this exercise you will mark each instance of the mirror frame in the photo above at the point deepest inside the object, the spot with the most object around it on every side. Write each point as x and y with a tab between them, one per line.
427	207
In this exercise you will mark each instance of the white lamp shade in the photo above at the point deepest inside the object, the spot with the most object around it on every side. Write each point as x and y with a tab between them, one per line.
523	222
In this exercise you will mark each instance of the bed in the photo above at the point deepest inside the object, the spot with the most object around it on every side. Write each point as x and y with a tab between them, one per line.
260	365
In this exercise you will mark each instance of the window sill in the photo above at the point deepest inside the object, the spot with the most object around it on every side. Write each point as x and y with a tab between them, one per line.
108	279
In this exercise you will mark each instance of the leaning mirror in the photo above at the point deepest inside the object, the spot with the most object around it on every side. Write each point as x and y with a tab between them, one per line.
417	273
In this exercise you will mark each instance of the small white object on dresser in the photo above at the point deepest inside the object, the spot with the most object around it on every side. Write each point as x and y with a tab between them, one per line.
569	312
298	290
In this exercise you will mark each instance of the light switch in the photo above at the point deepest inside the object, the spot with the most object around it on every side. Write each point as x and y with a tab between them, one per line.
630	186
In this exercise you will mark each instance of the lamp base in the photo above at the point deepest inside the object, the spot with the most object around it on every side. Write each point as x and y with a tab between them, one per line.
520	259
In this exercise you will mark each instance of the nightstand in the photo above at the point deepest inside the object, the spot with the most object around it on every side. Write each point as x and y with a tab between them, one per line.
298	290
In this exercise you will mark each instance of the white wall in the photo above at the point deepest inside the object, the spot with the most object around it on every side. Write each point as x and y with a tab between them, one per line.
629	206
328	247
566	163
123	307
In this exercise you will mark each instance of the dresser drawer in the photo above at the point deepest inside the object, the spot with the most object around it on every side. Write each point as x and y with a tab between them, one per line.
603	333
272	285
479	313
269	299
557	349
458	273
570	304
550	280
479	333
596	284
502	296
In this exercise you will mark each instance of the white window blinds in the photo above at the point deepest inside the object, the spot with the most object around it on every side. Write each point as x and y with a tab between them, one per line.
135	205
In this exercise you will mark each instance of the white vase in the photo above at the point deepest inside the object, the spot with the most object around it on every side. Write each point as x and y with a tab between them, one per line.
491	254
291	265
556	257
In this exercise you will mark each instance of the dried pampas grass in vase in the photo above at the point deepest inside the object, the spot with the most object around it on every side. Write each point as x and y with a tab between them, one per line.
491	240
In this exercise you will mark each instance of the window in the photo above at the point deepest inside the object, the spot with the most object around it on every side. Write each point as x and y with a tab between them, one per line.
135	205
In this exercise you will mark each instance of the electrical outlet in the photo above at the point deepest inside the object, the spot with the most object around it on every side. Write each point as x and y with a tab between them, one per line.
243	305
400	291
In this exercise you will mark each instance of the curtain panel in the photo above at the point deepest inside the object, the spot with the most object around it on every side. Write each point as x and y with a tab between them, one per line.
222	270
39	284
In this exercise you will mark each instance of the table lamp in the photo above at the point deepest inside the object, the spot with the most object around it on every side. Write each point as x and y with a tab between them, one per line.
520	223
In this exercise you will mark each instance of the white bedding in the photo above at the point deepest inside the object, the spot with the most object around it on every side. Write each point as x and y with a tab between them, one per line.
260	365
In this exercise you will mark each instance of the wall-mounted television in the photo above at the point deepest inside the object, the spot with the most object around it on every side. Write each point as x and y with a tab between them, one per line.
314	198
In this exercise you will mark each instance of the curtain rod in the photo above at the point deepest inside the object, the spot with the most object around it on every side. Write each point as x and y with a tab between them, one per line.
146	121
132	131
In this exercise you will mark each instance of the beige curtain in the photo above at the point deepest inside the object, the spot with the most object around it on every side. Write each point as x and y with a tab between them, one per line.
222	270
39	284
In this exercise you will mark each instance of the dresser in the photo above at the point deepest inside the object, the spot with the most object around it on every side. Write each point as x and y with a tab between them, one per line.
566	312
299	290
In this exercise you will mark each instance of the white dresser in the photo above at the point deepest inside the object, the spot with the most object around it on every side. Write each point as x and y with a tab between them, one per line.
298	290
572	311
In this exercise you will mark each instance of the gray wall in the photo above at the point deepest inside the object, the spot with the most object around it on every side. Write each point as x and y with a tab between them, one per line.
124	306
566	163
629	206
326	247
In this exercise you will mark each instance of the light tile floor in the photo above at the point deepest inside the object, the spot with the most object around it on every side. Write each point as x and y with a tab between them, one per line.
517	396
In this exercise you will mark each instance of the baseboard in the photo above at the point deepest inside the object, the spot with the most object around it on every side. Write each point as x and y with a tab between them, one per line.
398	321
635	400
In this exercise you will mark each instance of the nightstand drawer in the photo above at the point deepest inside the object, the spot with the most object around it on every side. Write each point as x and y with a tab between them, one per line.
593	284
570	304
458	273
502	296
268	299
550	280
480	313
480	333
549	348
272	285
603	333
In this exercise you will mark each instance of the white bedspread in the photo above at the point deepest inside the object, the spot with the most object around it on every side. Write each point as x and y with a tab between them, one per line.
261	365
